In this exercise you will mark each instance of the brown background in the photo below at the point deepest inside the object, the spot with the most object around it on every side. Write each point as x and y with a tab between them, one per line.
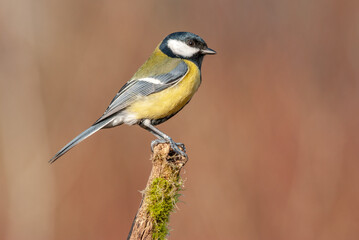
272	134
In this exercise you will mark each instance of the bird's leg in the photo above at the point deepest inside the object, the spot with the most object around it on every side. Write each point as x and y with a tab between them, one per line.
157	141
162	138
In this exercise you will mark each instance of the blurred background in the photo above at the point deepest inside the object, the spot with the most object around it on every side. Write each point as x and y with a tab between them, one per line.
272	134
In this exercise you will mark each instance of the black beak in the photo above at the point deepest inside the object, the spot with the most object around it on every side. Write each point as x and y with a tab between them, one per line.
208	51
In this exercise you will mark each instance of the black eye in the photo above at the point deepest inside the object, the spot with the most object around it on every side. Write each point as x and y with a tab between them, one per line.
190	42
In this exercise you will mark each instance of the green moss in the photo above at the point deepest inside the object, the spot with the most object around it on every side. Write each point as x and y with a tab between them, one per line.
161	199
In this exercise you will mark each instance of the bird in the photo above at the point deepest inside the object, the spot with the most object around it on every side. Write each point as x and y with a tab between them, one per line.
159	89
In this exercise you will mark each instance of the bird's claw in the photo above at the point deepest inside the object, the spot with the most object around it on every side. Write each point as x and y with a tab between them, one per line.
175	146
154	143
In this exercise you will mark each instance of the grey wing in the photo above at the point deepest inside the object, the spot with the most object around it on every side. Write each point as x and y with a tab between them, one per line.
136	88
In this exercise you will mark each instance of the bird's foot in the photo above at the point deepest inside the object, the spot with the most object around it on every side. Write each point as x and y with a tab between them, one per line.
176	147
154	143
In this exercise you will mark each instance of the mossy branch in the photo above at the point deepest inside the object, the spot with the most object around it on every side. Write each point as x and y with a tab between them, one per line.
160	196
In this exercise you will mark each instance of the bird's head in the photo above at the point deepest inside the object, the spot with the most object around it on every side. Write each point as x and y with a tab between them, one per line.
185	45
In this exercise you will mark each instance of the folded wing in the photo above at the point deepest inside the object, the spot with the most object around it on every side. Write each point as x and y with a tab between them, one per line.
137	88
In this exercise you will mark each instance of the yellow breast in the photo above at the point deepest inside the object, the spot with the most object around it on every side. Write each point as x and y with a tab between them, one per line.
169	101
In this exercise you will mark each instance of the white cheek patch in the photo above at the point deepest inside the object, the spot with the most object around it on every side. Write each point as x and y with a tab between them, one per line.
181	49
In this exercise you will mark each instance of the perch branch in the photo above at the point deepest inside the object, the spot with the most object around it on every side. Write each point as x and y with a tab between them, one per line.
160	195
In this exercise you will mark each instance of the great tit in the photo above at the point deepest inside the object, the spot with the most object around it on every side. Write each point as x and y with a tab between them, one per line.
160	88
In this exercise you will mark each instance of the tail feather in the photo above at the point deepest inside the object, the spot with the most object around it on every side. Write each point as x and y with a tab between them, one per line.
82	136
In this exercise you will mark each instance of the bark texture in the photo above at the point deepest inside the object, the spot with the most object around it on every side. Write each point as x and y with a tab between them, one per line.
160	196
